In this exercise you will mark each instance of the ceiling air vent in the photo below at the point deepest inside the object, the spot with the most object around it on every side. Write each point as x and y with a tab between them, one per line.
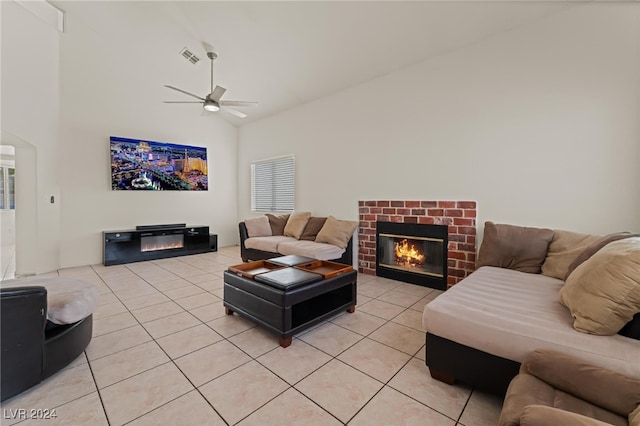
186	53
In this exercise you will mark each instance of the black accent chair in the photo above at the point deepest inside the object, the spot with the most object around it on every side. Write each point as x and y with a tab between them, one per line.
248	254
32	348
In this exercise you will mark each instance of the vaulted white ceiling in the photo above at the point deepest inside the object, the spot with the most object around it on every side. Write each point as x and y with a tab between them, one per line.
284	54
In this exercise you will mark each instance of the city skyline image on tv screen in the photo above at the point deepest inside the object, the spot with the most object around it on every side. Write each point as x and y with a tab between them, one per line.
142	165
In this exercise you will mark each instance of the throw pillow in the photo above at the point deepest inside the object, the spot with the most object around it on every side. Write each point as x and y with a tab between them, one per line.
314	226
336	232
603	293
295	225
258	226
277	223
564	248
594	247
514	247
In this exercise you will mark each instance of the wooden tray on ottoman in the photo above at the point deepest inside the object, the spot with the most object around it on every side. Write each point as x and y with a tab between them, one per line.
251	269
325	268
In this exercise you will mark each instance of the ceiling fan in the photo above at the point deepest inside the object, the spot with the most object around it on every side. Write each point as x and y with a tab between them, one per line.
212	101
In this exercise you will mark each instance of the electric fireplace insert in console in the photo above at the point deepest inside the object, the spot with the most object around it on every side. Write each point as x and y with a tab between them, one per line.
149	242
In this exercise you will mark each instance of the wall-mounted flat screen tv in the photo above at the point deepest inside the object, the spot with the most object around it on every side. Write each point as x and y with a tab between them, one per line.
141	165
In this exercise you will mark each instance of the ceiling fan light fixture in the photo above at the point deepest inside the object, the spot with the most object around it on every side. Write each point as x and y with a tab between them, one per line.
211	106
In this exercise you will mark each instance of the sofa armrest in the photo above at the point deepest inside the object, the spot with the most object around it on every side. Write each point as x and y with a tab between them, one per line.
541	415
597	385
23	313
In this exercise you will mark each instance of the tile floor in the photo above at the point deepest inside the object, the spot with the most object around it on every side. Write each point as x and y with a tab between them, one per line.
165	353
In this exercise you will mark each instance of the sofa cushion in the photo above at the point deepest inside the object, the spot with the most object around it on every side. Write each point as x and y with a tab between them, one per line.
314	226
593	248
564	248
603	293
312	249
336	232
258	227
277	223
266	243
542	415
514	247
296	223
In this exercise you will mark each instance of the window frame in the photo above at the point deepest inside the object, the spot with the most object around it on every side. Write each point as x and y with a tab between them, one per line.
277	179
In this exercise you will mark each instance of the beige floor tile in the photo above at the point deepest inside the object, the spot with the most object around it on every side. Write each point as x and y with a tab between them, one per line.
381	309
421	354
189	340
242	391
83	411
364	278
155	312
405	339
331	338
210	362
482	410
211	285
116	341
105	299
375	359
184	291
202	278
295	362
256	341
189	409
64	386
420	304
121	365
197	300
359	322
131	398
230	325
361	299
372	290
171	324
157	277
414	380
113	323
390	407
144	301
219	293
185	271
415	289
410	318
171	288
339	389
299	411
80	360
209	312
108	310
399	298
143	290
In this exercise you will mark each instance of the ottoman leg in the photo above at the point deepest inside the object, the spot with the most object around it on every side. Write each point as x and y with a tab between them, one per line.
351	309
285	341
228	311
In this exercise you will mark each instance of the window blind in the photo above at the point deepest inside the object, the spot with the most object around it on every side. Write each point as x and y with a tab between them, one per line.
273	184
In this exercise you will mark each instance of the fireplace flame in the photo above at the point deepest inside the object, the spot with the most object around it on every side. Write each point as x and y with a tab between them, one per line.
406	253
166	246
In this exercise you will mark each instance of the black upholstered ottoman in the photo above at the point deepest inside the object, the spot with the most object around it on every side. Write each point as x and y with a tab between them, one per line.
289	300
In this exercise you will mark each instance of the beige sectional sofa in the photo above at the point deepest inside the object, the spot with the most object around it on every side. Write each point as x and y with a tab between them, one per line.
323	238
481	329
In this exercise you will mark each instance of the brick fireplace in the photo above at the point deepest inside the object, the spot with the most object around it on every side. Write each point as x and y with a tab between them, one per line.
459	216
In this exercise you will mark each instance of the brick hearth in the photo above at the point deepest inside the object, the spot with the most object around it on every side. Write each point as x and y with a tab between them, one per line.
460	216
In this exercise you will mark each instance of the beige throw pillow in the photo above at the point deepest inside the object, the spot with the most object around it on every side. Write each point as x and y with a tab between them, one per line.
258	226
514	247
564	248
592	248
603	293
336	232
296	224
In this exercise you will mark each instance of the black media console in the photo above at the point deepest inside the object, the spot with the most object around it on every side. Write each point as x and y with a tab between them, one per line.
151	242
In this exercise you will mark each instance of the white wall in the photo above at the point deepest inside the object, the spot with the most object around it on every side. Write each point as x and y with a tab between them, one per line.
107	91
539	125
30	99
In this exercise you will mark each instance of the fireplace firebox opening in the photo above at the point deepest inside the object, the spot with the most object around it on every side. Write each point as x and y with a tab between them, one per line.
161	242
413	253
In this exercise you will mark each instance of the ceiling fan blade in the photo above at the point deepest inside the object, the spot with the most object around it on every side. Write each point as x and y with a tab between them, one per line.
238	103
182	102
182	91
233	111
217	93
